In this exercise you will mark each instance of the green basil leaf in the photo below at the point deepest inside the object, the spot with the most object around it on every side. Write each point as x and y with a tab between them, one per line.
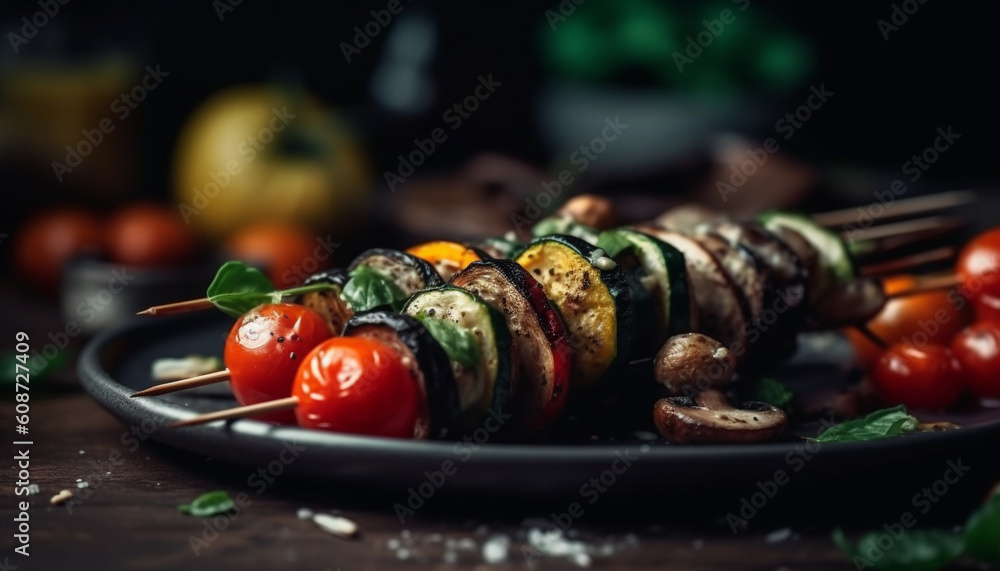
613	243
209	504
982	532
773	392
367	289
459	343
238	288
884	423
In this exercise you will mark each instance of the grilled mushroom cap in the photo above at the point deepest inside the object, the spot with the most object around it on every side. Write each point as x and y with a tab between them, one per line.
592	210
692	362
712	419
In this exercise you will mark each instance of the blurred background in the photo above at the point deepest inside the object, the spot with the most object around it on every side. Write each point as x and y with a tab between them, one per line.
164	135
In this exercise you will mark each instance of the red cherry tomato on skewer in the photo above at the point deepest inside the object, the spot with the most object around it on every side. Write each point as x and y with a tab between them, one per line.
977	348
978	265
358	386
926	378
264	350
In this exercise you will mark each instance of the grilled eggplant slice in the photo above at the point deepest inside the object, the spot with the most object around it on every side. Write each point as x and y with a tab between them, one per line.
835	263
329	303
593	297
485	383
538	334
720	308
424	358
383	278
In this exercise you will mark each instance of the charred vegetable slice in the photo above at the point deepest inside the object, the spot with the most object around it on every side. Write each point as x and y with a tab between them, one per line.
329	303
720	310
456	318
427	362
663	274
386	278
835	263
593	297
447	257
539	336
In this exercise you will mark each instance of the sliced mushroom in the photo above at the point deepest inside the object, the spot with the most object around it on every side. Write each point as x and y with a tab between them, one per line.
711	419
692	362
591	210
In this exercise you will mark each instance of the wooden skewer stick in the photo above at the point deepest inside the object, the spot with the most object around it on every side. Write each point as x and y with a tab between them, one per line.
931	225
173	386
900	208
179	307
907	262
240	412
929	284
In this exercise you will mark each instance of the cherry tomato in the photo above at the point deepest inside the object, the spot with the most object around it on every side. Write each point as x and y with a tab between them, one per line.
49	239
977	348
149	235
359	386
289	254
987	308
923	318
926	378
978	265
264	350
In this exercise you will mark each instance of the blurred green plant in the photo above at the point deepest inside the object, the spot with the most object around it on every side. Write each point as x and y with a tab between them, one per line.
640	42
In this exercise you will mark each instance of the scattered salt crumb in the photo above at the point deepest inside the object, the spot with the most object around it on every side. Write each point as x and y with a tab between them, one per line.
79	479
33	489
433	538
61	497
697	544
304	513
82	453
403	553
450	557
405	534
581	559
495	549
107	473
778	535
83	485
339	526
466	543
392	544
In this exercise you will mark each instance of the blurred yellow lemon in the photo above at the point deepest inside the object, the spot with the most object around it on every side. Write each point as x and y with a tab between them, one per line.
267	154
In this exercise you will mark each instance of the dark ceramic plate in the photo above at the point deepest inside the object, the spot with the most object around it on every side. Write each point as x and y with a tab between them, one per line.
118	363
